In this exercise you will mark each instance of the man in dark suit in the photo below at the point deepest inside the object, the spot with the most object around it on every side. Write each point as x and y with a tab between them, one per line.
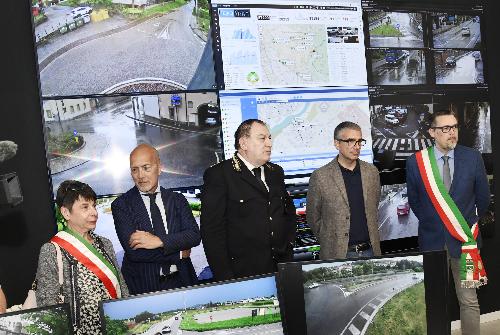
448	201
156	228
247	217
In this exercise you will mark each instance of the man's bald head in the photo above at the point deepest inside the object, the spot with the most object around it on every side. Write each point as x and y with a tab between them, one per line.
145	167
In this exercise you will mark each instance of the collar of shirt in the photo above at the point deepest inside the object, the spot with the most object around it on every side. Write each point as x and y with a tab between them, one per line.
251	167
438	154
355	170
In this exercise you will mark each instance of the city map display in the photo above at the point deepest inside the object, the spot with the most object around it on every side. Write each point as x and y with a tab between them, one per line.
264	44
301	122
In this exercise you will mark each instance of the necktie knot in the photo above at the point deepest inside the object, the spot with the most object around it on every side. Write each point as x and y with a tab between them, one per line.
256	172
152	196
445	158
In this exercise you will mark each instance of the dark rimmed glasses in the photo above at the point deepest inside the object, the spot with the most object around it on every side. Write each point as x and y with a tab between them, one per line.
446	129
351	142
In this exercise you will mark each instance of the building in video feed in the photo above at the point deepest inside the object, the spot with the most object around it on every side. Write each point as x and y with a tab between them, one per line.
397	67
366	296
301	122
246	307
458	67
287	43
89	138
395	29
456	31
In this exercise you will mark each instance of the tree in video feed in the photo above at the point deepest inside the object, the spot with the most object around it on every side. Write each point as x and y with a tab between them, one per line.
105	46
47	322
393	29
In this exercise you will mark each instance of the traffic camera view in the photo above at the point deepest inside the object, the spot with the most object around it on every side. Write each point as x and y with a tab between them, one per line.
397	67
247	307
89	139
380	296
119	46
456	31
393	29
458	67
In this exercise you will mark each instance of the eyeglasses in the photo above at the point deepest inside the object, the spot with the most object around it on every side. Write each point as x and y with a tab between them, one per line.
446	129
351	142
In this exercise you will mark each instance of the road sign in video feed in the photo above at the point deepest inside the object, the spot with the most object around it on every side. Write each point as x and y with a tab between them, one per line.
266	44
233	308
458	67
90	139
456	31
85	49
396	30
301	122
397	67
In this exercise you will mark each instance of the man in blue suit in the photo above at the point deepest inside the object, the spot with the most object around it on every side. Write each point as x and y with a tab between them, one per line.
156	228
459	174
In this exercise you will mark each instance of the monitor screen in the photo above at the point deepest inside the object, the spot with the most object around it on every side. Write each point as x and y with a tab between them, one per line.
451	30
388	295
458	67
395	29
288	43
301	122
44	320
248	306
122	46
397	67
90	138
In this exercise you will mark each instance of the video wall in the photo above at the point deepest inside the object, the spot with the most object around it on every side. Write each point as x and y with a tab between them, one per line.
182	77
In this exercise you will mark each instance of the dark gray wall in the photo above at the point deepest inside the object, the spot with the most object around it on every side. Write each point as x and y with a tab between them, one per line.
24	228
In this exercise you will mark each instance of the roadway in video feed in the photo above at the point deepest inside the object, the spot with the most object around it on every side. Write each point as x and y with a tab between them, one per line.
107	134
396	219
456	31
458	67
392	29
400	128
398	67
350	298
120	49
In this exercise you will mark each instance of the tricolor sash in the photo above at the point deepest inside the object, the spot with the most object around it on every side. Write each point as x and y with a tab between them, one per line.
91	258
472	272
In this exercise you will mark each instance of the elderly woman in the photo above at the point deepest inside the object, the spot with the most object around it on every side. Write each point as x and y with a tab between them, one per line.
90	271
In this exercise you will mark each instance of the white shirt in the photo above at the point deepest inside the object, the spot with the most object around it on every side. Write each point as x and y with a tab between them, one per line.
251	167
159	203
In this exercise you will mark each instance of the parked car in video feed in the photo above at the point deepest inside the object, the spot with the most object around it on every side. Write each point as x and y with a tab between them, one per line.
403	208
451	61
391	120
465	31
80	11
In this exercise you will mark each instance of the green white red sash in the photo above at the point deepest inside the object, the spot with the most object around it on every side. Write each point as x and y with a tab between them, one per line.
472	272
91	258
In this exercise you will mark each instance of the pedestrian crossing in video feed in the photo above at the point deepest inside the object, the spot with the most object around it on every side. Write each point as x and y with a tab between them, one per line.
404	147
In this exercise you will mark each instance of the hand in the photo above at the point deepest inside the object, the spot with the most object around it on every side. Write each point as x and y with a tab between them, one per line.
186	253
144	240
